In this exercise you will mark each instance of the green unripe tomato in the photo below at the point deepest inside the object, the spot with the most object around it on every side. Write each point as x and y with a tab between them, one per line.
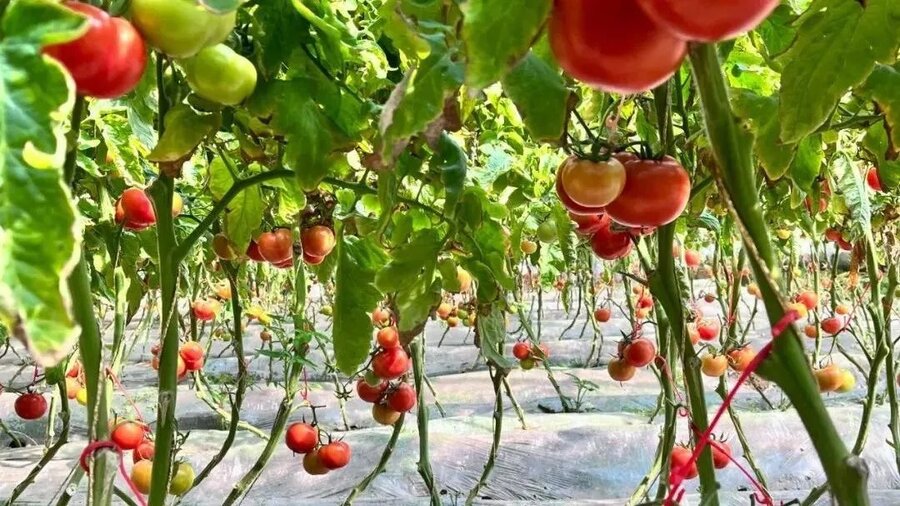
219	74
182	480
462	314
326	310
180	28
527	364
546	232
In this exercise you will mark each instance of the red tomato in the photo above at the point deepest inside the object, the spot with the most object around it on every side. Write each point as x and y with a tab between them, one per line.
613	45
586	224
108	60
609	244
573	207
402	399
832	235
620	370
388	337
639	353
602	314
301	437
833	325
381	316
655	194
872	179
692	258
521	350
276	246
144	451
137	210
253	252
645	301
706	20
740	358
30	406
128	435
205	310
844	244
721	453
390	363
191	351
312	463
75	370
680	458
318	241
370	393
335	455
287	263
708	329
591	184
311	259
809	299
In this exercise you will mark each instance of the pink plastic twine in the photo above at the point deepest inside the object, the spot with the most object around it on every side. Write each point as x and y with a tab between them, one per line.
103	445
678	475
128	398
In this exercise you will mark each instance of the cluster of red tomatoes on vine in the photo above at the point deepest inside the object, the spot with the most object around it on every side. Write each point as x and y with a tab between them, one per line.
318	457
529	354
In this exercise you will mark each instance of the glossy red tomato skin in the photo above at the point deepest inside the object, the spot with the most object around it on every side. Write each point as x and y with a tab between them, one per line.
872	179
609	244
521	350
137	208
639	353
301	438
144	451
30	406
585	224
335	455
613	45
390	363
128	435
680	458
369	393
253	252
108	60
402	399
655	194
573	207
708	20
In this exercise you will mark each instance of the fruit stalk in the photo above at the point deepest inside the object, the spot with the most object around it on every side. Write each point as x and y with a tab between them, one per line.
787	365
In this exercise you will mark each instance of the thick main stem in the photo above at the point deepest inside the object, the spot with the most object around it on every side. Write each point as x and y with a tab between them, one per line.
787	365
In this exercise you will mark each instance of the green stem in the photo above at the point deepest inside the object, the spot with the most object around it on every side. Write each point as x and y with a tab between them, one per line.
787	365
382	462
497	376
516	407
418	359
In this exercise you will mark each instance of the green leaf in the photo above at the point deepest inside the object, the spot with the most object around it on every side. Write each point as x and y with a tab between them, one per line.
493	43
761	116
807	162
541	97
447	268
836	48
450	160
707	220
409	260
40	241
185	130
416	302
418	100
492	334
312	137
564	229
853	188
883	86
355	296
245	212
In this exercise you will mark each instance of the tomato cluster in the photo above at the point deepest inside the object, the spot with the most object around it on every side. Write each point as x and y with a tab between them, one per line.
631	46
614	200
318	458
182	368
529	354
182	479
633	353
832	378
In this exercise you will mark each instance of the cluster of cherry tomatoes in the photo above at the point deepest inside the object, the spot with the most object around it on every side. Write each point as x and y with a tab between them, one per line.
681	455
624	196
134	210
191	357
277	247
318	458
384	386
631	46
530	355
633	354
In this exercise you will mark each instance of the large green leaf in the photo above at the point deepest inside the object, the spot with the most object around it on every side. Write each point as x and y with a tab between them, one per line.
540	95
807	162
409	260
418	100
836	48
493	43
355	296
883	86
761	116
492	334
245	213
185	130
450	159
40	238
